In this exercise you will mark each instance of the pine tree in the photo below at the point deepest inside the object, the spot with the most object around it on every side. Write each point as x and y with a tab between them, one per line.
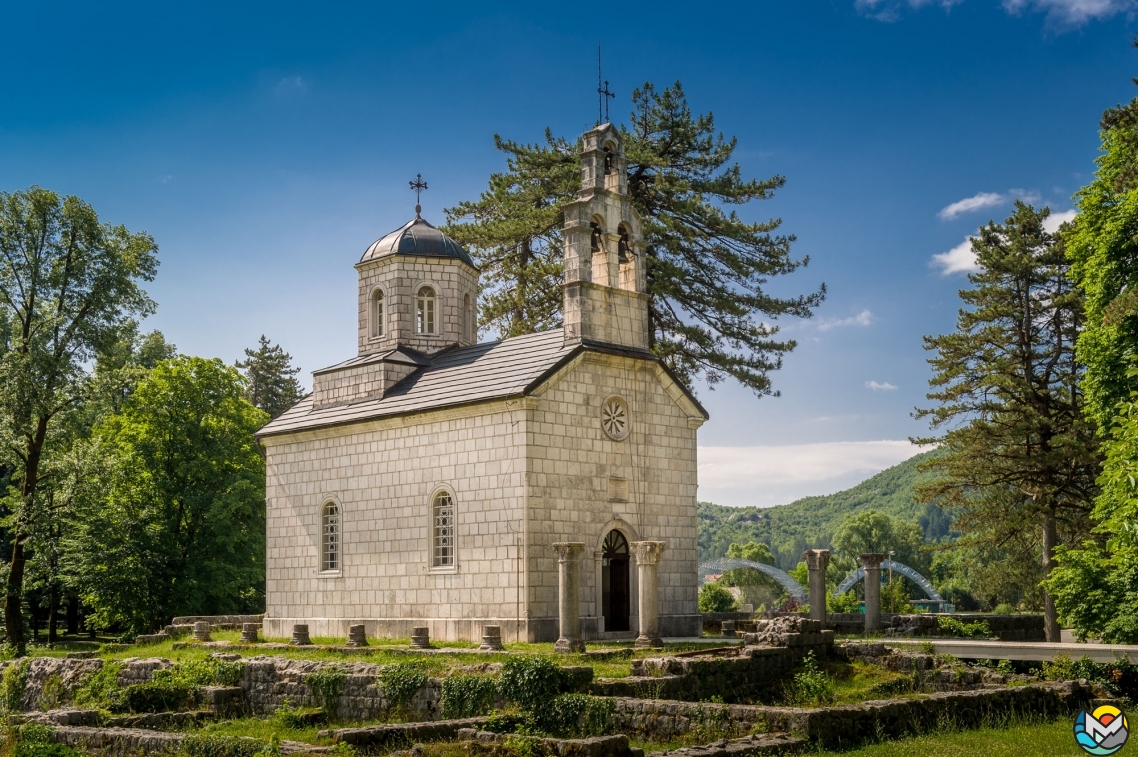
706	268
271	383
1020	456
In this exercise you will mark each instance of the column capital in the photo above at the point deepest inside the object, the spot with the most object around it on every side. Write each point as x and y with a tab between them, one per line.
871	560
568	550
647	552
816	559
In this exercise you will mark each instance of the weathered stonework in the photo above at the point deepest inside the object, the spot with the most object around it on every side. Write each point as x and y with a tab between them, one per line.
525	468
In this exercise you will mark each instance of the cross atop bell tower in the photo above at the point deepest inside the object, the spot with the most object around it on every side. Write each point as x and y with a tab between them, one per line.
604	287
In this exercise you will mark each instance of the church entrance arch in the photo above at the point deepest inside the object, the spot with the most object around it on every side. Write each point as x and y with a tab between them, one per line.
615	584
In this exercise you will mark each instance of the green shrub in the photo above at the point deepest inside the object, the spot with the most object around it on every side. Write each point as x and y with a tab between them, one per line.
220	746
520	745
304	717
208	672
157	696
1062	668
847	602
953	627
811	684
467	696
12	684
54	693
328	684
507	722
573	715
35	740
401	682
101	688
531	682
713	597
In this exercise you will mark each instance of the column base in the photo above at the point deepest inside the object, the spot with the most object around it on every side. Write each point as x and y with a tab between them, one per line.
648	642
569	646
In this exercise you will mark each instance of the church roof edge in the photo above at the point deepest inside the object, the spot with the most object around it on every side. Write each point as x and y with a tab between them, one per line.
457	377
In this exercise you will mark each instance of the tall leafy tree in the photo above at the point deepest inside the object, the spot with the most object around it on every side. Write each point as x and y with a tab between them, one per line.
707	269
875	531
1020	456
1103	248
270	378
173	517
70	286
1096	585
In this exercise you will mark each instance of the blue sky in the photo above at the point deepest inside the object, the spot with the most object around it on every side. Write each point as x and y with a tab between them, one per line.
265	146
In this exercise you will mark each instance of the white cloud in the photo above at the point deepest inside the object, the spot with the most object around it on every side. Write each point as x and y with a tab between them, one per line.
890	10
1055	220
1060	13
879	386
960	259
985	200
968	204
774	475
1071	12
864	318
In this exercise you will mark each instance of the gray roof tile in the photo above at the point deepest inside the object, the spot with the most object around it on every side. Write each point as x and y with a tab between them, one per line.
456	377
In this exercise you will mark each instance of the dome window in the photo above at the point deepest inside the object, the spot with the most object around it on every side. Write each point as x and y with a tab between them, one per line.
425	311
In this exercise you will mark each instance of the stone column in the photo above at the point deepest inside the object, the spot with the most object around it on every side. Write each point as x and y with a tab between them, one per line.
647	555
816	562
569	596
872	564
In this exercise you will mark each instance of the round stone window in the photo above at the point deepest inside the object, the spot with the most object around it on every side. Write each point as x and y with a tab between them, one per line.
614	418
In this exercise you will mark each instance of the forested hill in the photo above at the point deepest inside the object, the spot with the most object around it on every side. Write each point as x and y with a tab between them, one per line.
811	521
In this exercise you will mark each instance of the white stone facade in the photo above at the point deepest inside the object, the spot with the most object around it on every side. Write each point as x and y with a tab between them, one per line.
512	434
523	474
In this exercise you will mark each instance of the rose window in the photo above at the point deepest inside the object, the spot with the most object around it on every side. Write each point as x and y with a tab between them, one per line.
614	418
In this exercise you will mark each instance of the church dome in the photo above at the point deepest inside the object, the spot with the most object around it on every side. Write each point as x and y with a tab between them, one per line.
417	237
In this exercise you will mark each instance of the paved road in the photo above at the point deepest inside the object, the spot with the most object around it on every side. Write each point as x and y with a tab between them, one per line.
1022	650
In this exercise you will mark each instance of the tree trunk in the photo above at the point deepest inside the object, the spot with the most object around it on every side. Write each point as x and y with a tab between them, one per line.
13	617
1050	540
72	615
52	614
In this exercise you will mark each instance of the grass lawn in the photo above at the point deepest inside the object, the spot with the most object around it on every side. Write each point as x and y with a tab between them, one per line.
1043	740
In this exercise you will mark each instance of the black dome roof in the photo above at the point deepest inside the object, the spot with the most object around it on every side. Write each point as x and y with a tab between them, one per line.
417	237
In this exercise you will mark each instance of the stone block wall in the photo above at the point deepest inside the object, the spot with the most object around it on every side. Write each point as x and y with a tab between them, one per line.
383	474
582	484
852	724
1003	627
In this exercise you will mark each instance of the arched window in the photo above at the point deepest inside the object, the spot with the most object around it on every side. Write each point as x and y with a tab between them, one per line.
624	245
467	318
608	159
330	519
425	311
595	239
442	530
377	313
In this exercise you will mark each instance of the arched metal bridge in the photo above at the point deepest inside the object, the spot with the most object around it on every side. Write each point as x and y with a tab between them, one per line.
859	574
721	565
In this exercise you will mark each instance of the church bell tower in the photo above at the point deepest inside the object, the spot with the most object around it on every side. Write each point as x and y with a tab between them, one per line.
604	285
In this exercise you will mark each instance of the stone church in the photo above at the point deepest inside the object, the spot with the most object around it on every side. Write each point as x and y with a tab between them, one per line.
425	481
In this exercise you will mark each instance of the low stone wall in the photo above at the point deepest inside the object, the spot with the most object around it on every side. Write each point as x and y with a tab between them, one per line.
1003	627
217	620
266	682
595	746
853	724
749	746
117	741
732	673
380	736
